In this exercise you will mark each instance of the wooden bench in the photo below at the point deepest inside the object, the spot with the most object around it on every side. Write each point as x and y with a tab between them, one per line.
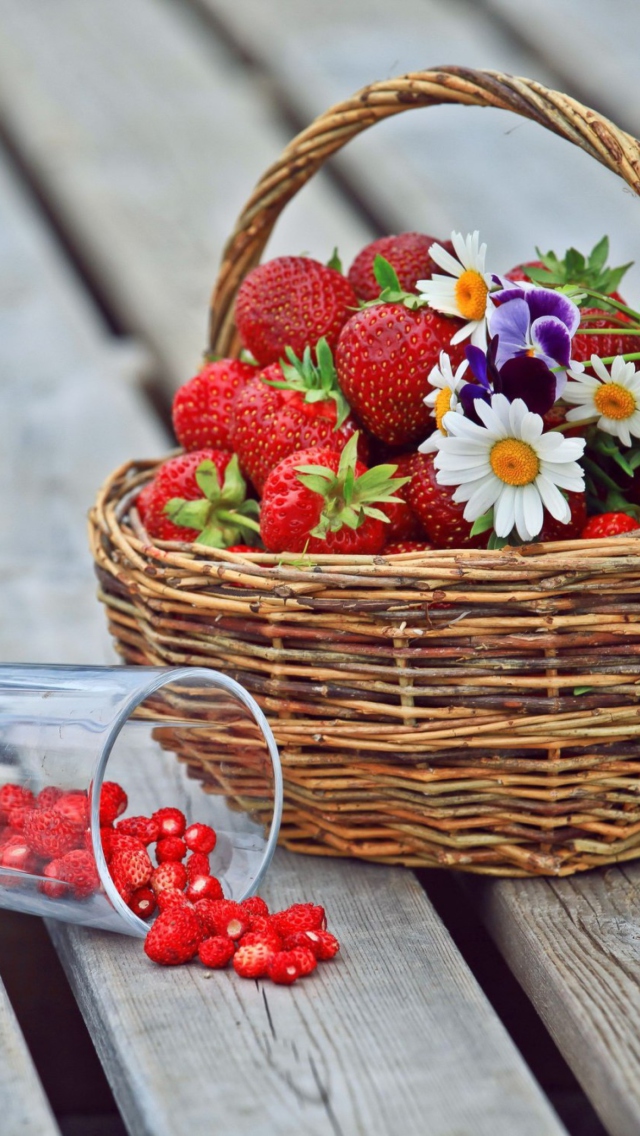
142	134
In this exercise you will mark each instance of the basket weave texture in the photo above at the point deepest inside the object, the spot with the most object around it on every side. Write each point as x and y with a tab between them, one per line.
461	708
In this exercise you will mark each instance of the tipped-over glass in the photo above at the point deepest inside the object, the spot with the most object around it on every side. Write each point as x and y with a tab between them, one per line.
183	738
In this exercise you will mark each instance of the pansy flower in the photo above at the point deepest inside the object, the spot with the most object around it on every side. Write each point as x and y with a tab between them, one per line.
464	291
537	323
613	397
509	464
523	376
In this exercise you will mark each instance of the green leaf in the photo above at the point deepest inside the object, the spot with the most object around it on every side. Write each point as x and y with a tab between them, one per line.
582	689
316	471
482	524
497	541
386	275
208	480
191	514
314	483
334	261
598	255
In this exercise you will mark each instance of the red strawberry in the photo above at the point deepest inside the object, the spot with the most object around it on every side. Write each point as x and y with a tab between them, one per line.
262	927
227	917
144	828
284	968
255	906
171	897
200	838
185	502
291	301
319	501
404	525
608	524
170	848
407	253
204	887
394	548
170	875
384	357
323	944
50	834
202	407
171	822
12	795
75	806
216	951
78	868
48	796
17	854
174	938
117	841
299	917
131	868
613	343
555	530
304	959
198	865
441	517
16	816
271	422
51	885
251	960
143	902
113	802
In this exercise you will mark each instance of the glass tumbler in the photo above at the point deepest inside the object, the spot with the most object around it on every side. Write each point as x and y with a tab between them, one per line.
88	755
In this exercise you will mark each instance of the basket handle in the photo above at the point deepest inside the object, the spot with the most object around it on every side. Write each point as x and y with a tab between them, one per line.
598	136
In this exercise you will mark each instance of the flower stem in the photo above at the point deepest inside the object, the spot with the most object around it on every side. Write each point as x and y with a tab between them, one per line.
613	303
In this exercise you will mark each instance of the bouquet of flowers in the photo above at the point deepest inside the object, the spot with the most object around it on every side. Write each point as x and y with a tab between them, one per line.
419	400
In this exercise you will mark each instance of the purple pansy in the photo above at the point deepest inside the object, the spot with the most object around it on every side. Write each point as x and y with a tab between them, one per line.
536	324
522	376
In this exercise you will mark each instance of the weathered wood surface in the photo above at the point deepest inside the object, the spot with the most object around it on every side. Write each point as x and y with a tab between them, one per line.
395	1037
574	945
24	1109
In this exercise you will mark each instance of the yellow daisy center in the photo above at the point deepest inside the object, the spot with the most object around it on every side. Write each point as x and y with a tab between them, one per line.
441	406
514	462
614	401
471	295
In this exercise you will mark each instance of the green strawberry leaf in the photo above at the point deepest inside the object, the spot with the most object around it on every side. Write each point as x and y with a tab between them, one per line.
386	275
483	523
334	261
208	480
189	514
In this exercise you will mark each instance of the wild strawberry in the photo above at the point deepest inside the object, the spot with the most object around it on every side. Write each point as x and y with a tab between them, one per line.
201	496
251	960
200	838
171	897
284	968
17	854
131	867
261	927
304	959
50	834
206	910
171	822
289	407
52	885
291	301
113	802
198	865
299	917
320	501
174	938
395	547
170	848
555	530
169	875
440	516
16	816
204	887
47	797
12	796
608	524
117	841
78	868
75	806
216	951
201	410
384	357
255	906
323	944
106	836
144	828
407	253
143	902
227	917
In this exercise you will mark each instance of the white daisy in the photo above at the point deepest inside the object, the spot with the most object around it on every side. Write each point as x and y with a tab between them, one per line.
614	398
509	464
444	396
464	292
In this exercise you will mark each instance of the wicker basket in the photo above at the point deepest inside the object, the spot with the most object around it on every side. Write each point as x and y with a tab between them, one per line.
467	709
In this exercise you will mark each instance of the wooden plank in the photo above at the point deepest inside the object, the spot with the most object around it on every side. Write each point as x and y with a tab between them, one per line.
445	167
595	48
146	139
574	945
396	1037
24	1107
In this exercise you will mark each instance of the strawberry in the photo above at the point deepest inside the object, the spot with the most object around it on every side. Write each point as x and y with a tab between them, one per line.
113	802
612	343
291	301
255	907
51	885
200	496
170	848
299	917
227	918
200	838
142	827
284	968
174	938
251	960
48	796
16	816
441	517
216	951
408	253
263	928
290	406
171	897
78	868
201	409
396	547
204	887
143	902
50	834
319	501
75	806
131	868
206	910
404	525
384	357
12	795
555	530
118	841
608	524
198	865
323	944
304	959
17	854
170	875
171	822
